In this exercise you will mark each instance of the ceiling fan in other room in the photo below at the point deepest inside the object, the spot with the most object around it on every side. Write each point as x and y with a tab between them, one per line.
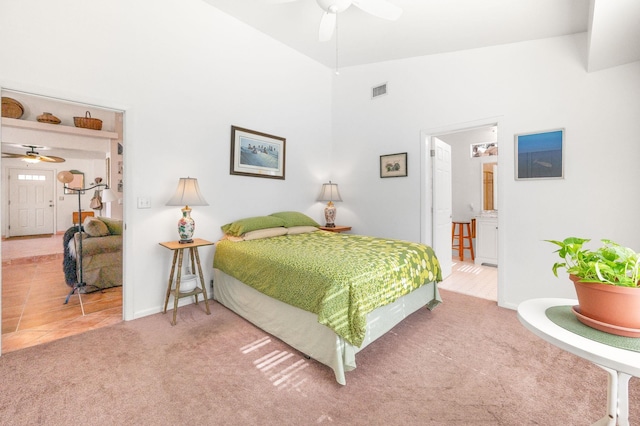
380	8
31	156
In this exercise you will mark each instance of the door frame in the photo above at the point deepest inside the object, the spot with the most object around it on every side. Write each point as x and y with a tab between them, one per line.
127	290
426	173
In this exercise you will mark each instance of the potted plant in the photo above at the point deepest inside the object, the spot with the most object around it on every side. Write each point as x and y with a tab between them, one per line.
606	283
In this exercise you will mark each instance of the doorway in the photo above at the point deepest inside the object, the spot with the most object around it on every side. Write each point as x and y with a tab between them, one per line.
31	202
36	212
466	195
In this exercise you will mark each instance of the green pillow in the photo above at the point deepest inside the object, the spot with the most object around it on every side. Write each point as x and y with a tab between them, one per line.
292	219
241	226
114	225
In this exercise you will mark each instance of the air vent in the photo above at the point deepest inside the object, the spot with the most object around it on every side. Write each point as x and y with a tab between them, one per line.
379	91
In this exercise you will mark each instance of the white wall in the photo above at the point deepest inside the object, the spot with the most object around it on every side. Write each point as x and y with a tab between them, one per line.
184	73
536	85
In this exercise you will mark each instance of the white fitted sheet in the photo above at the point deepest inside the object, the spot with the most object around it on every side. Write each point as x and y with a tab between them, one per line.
301	330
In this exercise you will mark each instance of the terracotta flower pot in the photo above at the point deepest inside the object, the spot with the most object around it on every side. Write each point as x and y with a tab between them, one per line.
615	306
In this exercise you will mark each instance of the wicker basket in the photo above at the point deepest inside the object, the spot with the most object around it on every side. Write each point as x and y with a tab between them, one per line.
11	108
47	117
87	122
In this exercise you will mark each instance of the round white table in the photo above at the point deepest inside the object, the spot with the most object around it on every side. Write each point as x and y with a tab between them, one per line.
620	364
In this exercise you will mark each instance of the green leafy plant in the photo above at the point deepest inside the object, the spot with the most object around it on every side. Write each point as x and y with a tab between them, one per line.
610	263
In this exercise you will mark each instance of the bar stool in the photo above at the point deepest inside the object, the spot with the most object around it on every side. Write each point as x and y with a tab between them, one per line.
464	239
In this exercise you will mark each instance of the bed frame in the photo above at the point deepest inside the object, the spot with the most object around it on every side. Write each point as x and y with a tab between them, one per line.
300	329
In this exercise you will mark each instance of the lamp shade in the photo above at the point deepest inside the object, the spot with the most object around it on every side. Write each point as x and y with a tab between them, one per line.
329	192
187	193
108	195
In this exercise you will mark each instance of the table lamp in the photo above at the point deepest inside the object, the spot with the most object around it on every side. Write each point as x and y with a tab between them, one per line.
330	193
187	193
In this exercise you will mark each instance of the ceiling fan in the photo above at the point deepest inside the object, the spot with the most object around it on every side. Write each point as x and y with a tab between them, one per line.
31	156
380	8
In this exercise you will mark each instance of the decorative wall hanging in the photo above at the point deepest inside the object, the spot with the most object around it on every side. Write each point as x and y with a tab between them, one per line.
540	155
484	149
393	165
257	154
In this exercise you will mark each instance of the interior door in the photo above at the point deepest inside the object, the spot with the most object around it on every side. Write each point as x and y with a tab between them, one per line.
442	204
30	202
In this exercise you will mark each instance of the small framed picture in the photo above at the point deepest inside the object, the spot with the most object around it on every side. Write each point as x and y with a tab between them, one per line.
393	165
540	155
257	154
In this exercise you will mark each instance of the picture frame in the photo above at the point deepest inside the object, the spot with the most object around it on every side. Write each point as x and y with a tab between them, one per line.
76	184
393	165
257	154
483	149
539	155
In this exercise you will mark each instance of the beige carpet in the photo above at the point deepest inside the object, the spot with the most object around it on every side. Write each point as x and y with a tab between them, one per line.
466	363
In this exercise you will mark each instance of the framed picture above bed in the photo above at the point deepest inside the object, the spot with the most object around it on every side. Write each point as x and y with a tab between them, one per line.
257	154
393	165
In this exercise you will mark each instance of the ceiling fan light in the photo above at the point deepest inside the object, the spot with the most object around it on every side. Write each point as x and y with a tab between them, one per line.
31	159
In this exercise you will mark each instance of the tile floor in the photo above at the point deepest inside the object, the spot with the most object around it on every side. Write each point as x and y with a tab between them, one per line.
34	291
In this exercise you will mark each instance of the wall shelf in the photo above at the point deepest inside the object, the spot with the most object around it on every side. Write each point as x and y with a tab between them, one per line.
58	128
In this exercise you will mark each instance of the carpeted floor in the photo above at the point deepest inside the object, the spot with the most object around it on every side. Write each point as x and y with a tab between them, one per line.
466	363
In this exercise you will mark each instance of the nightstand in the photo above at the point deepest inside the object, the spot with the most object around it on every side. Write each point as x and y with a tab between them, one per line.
178	253
336	228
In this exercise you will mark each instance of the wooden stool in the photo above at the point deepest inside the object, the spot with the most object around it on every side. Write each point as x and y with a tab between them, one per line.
463	238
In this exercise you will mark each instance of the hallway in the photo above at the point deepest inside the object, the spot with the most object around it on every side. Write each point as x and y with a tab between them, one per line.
473	280
33	294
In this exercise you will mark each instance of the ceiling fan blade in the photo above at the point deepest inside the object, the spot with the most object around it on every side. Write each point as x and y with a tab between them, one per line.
380	8
327	25
51	159
8	155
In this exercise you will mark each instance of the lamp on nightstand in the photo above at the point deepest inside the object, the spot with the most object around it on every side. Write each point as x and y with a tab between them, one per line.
187	193
330	193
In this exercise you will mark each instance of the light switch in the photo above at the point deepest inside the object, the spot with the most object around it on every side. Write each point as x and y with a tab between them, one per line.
144	203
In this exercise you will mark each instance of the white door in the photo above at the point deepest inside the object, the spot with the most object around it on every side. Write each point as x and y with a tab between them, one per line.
30	202
442	204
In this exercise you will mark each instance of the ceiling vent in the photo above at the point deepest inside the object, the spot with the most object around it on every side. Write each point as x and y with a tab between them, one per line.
378	91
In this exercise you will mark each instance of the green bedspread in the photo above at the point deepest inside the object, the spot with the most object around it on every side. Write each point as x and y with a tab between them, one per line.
339	277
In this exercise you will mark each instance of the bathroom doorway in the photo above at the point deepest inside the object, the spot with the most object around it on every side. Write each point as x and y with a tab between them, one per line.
472	146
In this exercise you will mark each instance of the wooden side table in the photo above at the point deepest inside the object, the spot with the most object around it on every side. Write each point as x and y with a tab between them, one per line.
336	228
83	215
178	252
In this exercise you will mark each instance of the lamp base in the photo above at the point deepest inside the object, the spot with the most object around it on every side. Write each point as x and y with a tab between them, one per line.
330	215
186	226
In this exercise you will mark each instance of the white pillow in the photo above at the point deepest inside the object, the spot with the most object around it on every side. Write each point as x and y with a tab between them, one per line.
264	233
301	229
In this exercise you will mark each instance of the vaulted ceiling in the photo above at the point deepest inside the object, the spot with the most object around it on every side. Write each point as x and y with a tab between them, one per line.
429	27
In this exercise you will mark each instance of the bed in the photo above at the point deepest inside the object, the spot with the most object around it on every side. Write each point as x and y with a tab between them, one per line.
326	294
